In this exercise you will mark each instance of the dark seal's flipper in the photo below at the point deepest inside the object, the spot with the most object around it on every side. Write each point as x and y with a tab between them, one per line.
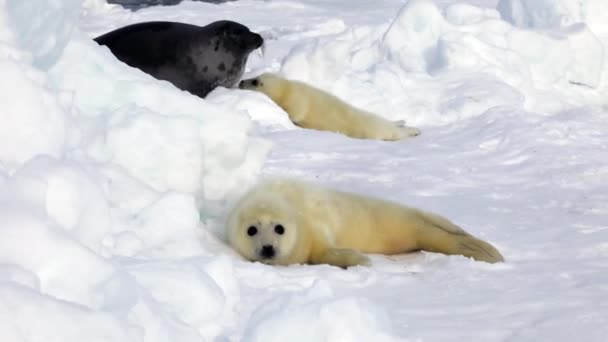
194	58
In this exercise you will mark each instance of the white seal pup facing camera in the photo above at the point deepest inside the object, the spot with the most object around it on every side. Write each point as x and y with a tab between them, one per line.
286	222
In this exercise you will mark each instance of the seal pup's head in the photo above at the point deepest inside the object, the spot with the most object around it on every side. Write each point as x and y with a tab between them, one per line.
262	227
267	83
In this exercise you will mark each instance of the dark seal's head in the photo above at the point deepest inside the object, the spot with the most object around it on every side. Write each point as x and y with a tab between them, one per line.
235	37
221	52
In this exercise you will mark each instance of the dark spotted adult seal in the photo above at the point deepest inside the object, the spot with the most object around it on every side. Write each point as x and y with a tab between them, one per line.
194	58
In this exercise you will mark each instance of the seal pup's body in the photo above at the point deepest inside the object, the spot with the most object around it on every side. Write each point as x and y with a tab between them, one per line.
310	107
289	222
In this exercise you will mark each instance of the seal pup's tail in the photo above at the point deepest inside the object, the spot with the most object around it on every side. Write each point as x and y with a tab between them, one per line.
438	234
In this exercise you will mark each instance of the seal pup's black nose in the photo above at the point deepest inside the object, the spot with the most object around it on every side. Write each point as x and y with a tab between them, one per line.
267	251
242	84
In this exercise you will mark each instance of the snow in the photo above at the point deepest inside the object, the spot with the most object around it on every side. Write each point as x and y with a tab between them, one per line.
42	30
324	319
115	186
34	120
555	13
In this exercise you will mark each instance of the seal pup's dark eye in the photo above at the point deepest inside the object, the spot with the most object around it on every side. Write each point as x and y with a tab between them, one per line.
254	83
279	229
252	230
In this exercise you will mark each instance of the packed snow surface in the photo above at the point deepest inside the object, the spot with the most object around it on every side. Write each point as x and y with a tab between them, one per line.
115	186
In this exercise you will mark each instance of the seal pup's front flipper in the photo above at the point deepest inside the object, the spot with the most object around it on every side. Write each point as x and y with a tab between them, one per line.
341	257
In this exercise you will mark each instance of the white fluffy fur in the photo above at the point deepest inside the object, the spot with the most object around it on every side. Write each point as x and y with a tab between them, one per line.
334	227
313	108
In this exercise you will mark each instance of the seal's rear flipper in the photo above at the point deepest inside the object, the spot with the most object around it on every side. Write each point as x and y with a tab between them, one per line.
439	235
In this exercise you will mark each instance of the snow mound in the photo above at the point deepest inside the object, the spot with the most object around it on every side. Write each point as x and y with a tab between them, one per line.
555	13
164	136
43	27
103	170
34	120
29	316
396	70
412	36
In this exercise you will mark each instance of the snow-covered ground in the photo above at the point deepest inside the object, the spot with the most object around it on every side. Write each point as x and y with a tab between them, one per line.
114	185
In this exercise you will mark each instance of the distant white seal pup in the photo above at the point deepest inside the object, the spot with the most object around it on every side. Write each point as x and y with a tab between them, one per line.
290	222
310	107
194	58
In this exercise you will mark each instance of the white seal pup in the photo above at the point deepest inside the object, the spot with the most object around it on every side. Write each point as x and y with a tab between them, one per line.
290	222
313	108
